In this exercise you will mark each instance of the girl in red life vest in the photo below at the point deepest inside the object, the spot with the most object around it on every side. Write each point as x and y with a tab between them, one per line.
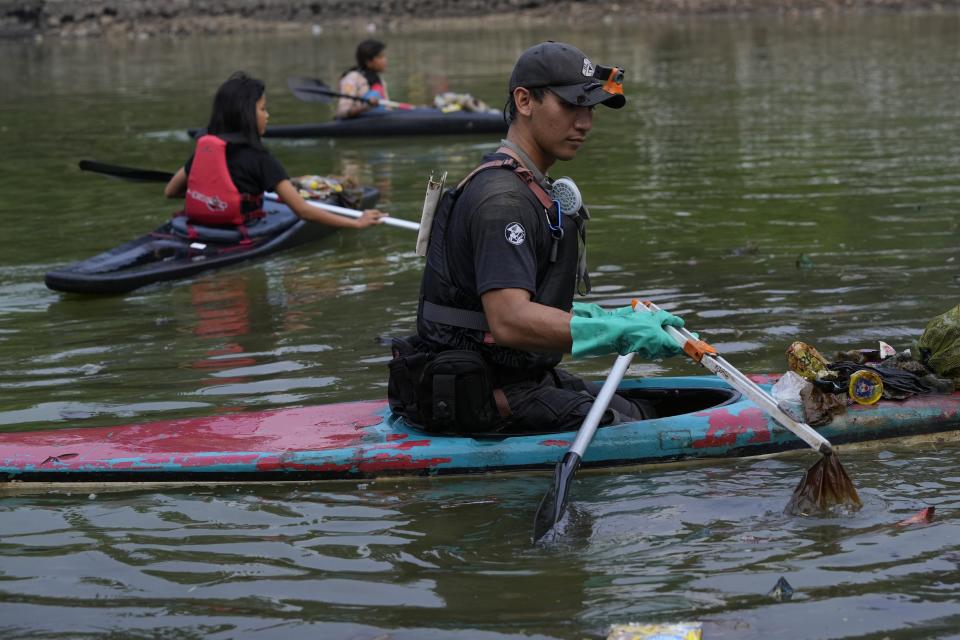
364	80
224	180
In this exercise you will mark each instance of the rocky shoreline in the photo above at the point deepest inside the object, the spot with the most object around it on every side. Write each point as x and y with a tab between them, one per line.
148	18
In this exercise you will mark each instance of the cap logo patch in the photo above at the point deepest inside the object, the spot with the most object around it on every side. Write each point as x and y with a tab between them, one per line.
587	68
514	233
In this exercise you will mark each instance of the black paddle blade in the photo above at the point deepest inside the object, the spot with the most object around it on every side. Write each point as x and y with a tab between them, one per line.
824	485
125	173
554	501
310	90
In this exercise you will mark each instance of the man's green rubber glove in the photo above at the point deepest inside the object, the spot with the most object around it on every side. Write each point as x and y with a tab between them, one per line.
638	332
590	310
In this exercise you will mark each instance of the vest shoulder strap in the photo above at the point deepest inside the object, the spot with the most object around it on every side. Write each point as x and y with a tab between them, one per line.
522	172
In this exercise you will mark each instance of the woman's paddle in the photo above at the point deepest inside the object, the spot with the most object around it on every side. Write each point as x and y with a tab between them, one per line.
149	175
554	502
314	90
826	483
125	173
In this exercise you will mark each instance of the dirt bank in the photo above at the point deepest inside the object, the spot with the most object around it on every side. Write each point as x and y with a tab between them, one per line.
146	18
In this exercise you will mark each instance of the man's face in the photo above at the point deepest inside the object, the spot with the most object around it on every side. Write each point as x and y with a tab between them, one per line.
559	127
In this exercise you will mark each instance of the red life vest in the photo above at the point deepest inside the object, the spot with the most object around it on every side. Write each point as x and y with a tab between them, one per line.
212	198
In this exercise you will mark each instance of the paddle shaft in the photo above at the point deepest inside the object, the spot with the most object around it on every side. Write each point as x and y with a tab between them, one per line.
150	175
589	427
323	90
352	213
718	365
554	501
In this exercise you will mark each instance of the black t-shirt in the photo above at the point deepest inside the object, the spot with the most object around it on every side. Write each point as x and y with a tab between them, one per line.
498	239
253	170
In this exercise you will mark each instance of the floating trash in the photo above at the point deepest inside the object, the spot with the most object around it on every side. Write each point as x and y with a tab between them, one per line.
669	631
804	262
924	516
824	485
781	591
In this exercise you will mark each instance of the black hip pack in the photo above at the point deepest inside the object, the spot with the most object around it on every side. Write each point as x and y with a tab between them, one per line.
446	392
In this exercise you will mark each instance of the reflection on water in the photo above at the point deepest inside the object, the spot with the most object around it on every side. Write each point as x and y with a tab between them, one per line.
770	180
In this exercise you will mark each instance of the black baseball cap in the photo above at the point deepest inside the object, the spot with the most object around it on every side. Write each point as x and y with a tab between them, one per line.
570	74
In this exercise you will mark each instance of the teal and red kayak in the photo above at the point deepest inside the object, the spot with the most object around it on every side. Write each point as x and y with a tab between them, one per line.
702	418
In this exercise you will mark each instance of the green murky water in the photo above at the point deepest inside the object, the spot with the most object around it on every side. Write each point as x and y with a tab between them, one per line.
769	180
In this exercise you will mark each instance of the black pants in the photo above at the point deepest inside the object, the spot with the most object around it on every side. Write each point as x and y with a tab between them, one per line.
560	401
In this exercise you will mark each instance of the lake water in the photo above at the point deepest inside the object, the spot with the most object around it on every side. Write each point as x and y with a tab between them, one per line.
770	180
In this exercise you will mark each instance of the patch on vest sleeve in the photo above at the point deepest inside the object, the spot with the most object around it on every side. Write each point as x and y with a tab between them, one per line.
514	233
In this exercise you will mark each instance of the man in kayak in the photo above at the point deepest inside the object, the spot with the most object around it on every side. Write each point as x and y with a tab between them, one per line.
364	81
496	309
223	182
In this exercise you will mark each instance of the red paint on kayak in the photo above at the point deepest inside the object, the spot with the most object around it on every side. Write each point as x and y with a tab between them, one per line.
281	464
555	443
410	444
387	462
176	441
725	427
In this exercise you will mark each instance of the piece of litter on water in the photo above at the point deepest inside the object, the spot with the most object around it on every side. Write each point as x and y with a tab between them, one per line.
782	590
669	631
924	516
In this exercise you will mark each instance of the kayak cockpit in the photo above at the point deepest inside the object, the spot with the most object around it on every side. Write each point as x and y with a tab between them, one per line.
680	401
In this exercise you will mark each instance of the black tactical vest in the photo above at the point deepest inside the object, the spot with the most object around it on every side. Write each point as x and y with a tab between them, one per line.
450	318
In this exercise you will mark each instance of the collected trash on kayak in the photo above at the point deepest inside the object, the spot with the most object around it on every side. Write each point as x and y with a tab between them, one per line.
824	389
862	376
449	102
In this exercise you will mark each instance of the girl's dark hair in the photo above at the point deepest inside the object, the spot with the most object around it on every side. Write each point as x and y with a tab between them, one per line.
235	108
367	51
510	107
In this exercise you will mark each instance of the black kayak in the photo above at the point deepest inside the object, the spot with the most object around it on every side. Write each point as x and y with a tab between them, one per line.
171	252
413	122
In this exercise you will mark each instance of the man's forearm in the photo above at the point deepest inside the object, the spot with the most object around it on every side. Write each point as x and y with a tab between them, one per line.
518	322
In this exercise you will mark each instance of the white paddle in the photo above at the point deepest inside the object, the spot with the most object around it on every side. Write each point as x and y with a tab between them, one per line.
351	213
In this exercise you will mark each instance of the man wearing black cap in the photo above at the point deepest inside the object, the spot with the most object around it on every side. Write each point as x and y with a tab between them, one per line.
502	266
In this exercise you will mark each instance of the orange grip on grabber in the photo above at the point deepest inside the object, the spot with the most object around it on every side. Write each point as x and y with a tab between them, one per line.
696	349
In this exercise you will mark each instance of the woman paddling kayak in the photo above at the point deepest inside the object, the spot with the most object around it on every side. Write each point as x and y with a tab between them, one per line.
224	180
364	81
